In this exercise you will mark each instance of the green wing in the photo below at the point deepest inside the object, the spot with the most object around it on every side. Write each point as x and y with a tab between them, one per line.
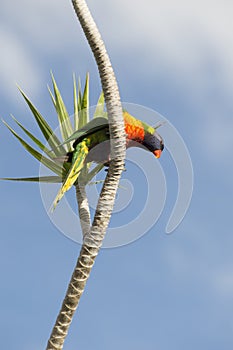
94	125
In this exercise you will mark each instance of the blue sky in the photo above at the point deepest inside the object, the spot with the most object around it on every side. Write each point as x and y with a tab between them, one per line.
162	291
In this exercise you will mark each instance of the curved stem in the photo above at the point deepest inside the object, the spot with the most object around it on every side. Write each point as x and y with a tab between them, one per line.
93	240
107	76
83	209
75	289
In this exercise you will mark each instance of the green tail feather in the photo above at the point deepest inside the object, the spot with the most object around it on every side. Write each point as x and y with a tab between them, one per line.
78	160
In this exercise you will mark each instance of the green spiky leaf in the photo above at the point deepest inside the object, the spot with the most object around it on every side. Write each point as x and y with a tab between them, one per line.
99	111
47	162
34	139
93	173
79	95
84	107
81	127
76	110
52	97
63	116
47	179
53	141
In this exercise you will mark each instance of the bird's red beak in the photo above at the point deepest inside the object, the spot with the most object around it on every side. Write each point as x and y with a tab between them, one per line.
157	153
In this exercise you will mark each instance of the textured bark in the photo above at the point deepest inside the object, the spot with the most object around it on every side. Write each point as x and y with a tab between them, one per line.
83	209
76	287
93	238
107	76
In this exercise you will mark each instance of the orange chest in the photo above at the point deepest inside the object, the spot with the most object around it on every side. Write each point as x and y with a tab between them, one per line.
134	132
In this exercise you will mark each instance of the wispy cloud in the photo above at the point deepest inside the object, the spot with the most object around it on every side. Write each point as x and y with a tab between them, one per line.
189	41
177	32
17	65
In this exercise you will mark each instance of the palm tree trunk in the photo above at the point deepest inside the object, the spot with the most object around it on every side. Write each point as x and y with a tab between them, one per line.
93	238
83	209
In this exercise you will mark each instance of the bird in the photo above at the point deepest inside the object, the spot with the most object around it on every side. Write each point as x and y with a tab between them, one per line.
92	143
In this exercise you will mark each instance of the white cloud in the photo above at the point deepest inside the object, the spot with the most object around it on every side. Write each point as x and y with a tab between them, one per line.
32	33
163	36
45	23
176	31
171	29
17	65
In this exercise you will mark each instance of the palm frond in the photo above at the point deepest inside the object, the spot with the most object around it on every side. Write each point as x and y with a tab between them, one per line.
76	103
35	140
63	116
88	177
46	130
47	179
99	111
50	157
79	95
47	162
84	105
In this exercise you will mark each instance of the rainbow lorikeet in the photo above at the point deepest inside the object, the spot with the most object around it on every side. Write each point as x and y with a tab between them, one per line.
92	144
